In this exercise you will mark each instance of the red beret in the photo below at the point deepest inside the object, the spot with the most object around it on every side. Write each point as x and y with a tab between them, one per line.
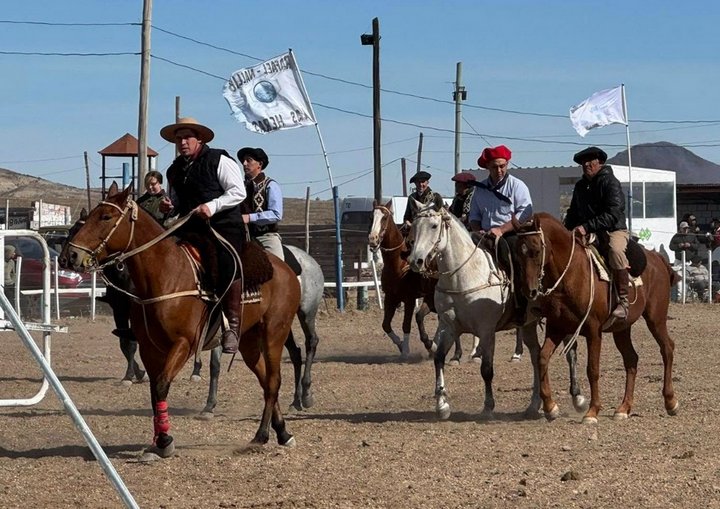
464	177
501	151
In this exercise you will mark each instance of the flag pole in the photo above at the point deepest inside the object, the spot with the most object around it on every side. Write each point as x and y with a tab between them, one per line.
339	292
627	137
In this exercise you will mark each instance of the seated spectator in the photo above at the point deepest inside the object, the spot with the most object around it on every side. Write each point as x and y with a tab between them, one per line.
684	241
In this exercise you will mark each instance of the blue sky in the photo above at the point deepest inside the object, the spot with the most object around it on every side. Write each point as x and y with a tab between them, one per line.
526	56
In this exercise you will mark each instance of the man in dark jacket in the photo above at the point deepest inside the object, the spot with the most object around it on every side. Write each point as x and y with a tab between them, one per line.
686	241
464	189
422	193
208	182
598	206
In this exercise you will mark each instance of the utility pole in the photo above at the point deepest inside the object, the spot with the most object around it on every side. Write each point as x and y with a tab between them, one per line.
404	176
144	90
87	181
459	95
419	154
374	40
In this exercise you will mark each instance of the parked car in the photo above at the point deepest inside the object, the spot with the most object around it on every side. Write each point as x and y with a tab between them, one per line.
55	235
31	274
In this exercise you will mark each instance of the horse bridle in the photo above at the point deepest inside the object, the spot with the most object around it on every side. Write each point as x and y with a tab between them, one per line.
541	292
445	227
383	230
130	206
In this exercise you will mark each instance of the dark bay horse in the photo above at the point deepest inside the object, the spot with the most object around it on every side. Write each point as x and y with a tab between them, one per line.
169	317
560	280
401	285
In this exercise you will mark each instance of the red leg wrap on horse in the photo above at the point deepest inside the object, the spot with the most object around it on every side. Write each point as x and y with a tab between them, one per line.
161	419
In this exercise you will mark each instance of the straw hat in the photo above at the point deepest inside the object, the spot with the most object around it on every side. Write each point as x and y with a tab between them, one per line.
204	134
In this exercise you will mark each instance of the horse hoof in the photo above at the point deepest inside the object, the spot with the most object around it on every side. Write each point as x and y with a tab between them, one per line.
454	362
477	359
486	415
619	416
443	412
205	416
154	453
553	414
674	410
290	443
295	406
126	382
434	347
580	403
195	378
144	378
147	457
589	420
308	401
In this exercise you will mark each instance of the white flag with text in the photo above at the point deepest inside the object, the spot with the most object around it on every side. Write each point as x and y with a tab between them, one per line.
269	96
600	109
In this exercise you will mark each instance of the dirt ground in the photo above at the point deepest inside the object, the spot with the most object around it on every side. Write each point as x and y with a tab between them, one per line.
372	438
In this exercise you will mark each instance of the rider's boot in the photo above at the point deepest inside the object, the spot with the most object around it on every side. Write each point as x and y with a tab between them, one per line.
622	281
231	307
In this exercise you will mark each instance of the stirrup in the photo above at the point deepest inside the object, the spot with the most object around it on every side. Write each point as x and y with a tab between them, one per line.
620	312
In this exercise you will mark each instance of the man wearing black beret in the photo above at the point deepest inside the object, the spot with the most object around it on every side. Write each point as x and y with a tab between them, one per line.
598	206
422	193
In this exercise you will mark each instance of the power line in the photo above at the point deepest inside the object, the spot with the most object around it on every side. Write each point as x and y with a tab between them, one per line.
58	54
310	73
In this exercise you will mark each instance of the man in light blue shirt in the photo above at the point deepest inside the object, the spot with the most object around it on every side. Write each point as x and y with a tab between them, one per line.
495	201
500	196
266	200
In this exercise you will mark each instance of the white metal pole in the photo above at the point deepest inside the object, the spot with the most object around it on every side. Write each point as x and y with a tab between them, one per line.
56	279
70	407
627	136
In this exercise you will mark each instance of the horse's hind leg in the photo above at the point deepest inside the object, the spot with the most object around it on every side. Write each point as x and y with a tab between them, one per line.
265	363
296	359
594	347
209	411
307	322
487	349
623	342
658	328
455	359
408	311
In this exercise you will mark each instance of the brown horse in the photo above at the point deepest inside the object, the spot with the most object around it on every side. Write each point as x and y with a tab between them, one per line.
560	280
402	285
168	317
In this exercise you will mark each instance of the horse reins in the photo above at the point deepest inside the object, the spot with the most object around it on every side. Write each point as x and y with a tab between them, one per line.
383	230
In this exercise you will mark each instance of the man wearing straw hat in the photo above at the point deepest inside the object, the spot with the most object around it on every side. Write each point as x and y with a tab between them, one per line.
208	183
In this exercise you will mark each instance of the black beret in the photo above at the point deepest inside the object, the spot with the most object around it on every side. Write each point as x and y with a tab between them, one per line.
589	154
420	176
256	153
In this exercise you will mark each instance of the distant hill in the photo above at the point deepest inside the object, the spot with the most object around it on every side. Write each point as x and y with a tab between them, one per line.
689	168
22	190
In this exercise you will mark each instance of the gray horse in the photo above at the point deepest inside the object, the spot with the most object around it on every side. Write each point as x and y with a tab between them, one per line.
312	283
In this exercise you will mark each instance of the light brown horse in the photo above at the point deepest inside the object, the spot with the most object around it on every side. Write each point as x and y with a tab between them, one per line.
560	280
168	317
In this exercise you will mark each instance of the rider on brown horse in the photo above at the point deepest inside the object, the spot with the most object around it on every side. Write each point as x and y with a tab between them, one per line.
422	194
209	183
598	206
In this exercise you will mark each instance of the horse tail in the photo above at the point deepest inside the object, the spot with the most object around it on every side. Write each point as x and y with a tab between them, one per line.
674	276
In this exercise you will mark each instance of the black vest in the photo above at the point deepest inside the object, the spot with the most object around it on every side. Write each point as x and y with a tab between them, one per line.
257	196
196	182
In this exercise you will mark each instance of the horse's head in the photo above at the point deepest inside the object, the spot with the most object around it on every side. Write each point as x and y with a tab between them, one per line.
530	255
106	230
428	234
64	251
382	220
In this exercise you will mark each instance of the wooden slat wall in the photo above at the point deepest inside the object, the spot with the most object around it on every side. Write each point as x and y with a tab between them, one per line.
322	246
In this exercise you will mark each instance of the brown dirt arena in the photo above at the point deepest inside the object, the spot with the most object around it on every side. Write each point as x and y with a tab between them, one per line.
372	439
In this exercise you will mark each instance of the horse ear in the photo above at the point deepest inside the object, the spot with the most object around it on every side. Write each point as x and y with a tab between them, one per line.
438	203
536	222
388	205
113	189
83	214
130	187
